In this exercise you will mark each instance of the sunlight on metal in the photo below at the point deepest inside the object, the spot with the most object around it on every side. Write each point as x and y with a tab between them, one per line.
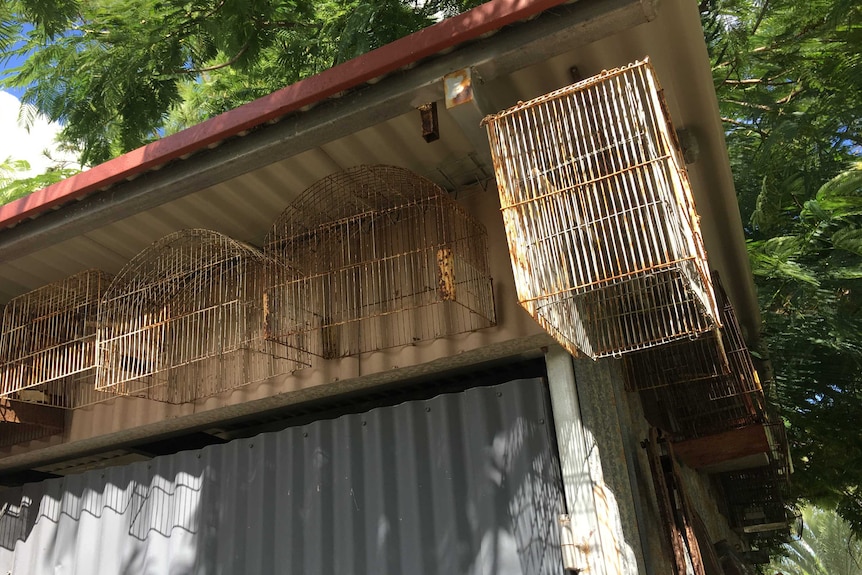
375	257
183	320
603	235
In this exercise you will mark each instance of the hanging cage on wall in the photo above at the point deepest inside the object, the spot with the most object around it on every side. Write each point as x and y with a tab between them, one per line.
376	257
717	362
702	385
183	320
604	239
48	343
757	499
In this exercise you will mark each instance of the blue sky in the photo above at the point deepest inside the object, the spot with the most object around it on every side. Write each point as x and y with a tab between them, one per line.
8	65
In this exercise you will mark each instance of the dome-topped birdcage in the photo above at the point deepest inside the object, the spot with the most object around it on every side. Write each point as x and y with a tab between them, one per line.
604	239
183	320
48	343
378	257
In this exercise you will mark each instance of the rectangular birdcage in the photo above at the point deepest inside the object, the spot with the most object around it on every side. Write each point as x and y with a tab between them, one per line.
48	343
603	235
703	385
685	412
717	363
757	498
183	321
375	257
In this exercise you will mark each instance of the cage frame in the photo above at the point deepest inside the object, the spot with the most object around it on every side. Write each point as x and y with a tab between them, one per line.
48	343
703	386
579	290
188	308
767	486
718	360
379	257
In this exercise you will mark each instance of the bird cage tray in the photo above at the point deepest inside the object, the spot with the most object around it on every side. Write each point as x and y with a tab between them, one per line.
48	343
604	239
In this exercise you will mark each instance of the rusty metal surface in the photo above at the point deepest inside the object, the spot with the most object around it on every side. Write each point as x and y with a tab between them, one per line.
465	483
183	320
375	257
675	509
603	234
758	498
701	386
48	343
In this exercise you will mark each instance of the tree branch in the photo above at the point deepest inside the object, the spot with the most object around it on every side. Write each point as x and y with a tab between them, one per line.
744	125
750	105
764	81
230	62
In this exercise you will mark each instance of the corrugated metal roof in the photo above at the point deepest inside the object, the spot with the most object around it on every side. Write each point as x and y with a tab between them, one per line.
461	483
367	68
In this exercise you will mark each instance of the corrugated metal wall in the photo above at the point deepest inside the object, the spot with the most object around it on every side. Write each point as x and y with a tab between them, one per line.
461	483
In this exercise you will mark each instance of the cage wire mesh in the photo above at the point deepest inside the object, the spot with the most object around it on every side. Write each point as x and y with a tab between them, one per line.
379	257
758	498
48	343
603	235
718	362
183	320
704	385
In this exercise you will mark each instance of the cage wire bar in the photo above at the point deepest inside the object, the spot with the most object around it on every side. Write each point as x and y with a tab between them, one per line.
603	235
704	385
718	361
378	257
757	498
48	343
183	320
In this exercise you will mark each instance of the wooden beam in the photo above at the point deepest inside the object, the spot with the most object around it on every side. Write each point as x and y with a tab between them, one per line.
20	412
722	448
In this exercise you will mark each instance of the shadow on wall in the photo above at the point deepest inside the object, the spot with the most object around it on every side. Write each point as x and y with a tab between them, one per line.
462	483
121	520
600	537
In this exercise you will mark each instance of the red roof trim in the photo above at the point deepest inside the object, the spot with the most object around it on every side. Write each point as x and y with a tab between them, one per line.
445	34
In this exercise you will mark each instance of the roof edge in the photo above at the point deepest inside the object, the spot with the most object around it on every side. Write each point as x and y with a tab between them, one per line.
445	34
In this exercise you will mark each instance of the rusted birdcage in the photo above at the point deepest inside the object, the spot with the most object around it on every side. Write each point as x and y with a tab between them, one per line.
686	412
757	498
48	343
378	257
718	363
604	238
183	320
704	385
